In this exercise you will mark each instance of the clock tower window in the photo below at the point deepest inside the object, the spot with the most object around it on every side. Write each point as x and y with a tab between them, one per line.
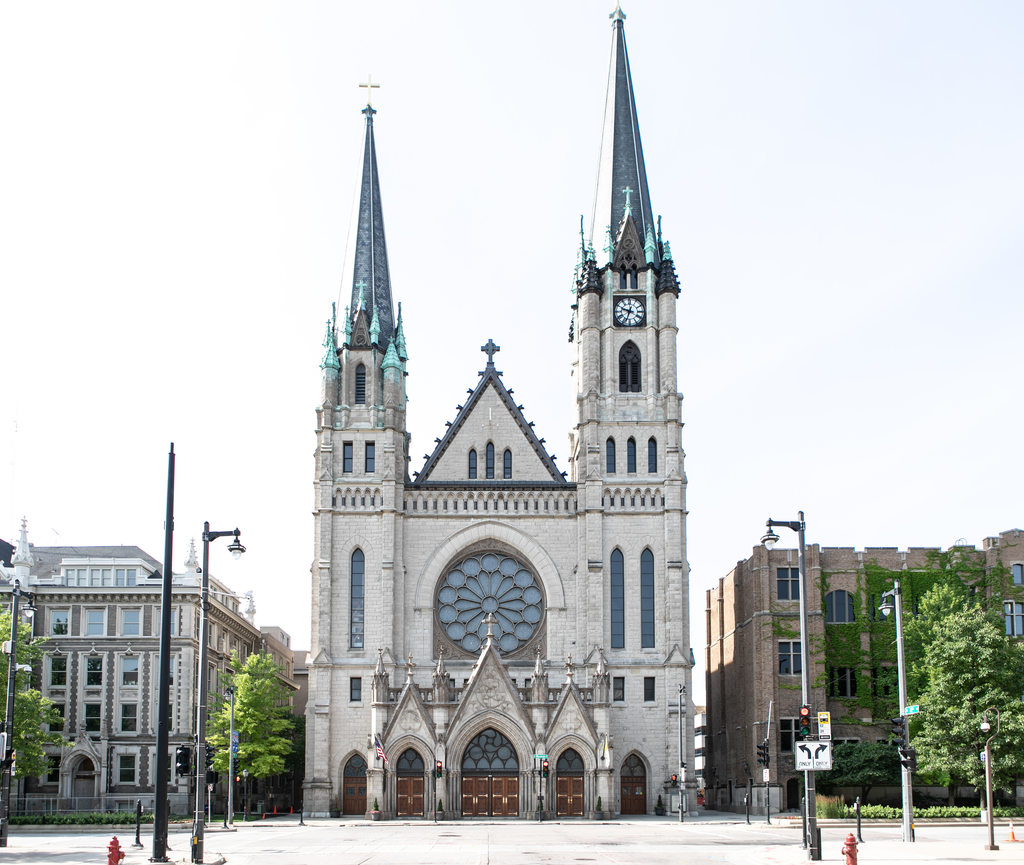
629	369
627	280
360	385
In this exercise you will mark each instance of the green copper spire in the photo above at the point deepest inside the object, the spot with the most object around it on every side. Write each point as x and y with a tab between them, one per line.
391	358
330	360
609	244
400	336
348	327
650	250
375	327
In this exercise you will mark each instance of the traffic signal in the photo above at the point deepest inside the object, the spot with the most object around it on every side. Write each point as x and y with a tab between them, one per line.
182	760
899	731
211	776
545	768
908	758
437	769
675	780
805	723
763	757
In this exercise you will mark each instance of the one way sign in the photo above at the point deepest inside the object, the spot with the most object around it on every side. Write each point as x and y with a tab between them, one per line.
813	756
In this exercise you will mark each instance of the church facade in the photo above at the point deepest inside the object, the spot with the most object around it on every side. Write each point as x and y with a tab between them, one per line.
491	636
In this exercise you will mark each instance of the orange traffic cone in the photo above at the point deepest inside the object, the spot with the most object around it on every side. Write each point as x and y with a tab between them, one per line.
275	810
1011	838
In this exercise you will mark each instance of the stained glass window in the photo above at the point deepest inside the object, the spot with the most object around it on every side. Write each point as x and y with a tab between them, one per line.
490	752
489	583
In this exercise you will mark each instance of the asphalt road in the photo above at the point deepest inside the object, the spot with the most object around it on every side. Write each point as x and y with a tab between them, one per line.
710	840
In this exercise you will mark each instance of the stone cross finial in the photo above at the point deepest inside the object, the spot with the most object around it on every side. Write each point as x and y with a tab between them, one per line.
490	621
570	668
370	87
627	192
490	349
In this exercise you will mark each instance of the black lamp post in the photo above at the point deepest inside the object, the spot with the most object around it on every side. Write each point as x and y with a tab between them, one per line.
770	539
199	822
7	749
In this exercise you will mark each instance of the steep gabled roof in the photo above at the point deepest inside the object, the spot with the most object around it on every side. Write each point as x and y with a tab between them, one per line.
622	158
491	383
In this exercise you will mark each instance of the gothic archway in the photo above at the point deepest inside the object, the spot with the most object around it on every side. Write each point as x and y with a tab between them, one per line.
490	776
84	780
411	772
354	786
633	786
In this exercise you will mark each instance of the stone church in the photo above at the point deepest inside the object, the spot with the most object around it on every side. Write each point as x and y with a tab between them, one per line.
491	636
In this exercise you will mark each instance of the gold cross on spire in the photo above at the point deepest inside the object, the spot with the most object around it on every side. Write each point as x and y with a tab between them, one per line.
370	87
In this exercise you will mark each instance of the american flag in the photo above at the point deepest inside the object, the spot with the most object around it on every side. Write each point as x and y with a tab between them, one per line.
380	751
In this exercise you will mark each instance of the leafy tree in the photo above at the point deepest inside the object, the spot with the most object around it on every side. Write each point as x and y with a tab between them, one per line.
263	718
962	663
32	711
861	764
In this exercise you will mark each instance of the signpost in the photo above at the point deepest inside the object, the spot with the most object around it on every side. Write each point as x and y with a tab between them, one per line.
813	756
911	710
824	727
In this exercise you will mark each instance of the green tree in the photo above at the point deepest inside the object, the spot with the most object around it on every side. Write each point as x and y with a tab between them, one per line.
861	764
263	718
962	663
33	713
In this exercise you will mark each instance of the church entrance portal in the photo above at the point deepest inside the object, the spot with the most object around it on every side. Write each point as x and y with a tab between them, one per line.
490	777
354	796
633	786
569	784
410	784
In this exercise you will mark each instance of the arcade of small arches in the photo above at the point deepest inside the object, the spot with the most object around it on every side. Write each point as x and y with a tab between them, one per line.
491	778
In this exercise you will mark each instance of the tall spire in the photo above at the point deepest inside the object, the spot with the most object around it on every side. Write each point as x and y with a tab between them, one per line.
371	252
622	159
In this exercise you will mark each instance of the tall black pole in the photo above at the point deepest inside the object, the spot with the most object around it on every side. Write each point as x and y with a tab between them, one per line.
164	685
12	671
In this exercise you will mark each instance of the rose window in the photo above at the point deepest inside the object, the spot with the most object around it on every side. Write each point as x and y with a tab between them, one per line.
484	584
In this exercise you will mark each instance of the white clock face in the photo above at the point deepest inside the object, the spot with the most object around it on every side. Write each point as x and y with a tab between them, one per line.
629	311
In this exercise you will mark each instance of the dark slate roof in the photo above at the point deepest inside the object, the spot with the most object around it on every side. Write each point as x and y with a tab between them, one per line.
490	376
48	559
371	251
622	157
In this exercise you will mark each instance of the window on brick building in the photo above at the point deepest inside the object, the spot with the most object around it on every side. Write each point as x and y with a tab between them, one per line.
93	672
355	689
838	608
58	671
789	658
787	582
1018	574
92	717
1013	615
126	769
618	689
842	682
787	734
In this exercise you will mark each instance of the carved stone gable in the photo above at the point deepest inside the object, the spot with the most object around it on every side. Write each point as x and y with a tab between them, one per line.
629	250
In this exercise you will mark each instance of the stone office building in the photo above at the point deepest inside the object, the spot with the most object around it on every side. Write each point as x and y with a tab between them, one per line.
489	607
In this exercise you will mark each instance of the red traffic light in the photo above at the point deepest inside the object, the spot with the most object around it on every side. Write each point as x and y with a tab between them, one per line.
805	712
545	767
437	769
675	780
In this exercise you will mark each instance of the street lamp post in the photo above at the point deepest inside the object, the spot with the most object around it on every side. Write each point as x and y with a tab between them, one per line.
985	727
199	822
770	539
7	749
229	817
893	601
682	755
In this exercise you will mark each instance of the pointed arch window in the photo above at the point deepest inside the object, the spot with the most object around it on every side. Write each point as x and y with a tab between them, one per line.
360	385
652	455
357	595
629	368
647	600
490	461
472	464
631	456
609	456
618	600
508	464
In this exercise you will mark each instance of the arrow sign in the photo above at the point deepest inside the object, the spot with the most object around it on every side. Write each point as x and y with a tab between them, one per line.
813	756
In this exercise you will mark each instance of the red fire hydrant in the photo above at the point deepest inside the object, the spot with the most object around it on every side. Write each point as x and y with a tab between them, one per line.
114	852
850	850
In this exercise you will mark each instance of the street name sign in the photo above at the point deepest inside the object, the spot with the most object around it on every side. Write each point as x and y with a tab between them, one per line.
813	756
911	710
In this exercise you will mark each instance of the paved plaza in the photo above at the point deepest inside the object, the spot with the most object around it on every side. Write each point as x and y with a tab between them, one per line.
712	838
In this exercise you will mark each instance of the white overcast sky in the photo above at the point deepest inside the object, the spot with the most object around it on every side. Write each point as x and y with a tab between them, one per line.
841	184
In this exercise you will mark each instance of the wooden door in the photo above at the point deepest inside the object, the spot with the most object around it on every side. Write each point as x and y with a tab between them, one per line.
354	798
633	796
505	796
476	796
569	796
410	796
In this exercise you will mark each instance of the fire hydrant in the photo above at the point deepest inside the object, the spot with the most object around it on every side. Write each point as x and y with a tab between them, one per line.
850	850
114	852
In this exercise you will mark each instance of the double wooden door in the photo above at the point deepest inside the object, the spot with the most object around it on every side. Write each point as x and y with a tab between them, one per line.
569	795
410	796
354	796
633	796
490	796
